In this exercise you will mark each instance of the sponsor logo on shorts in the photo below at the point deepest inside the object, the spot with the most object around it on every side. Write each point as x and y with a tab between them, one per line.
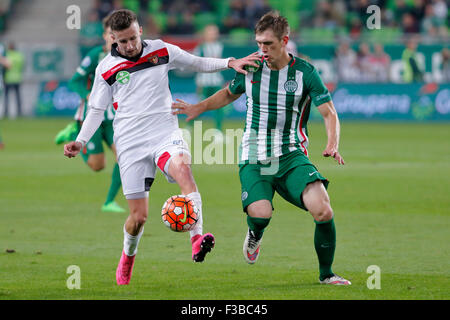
313	173
244	195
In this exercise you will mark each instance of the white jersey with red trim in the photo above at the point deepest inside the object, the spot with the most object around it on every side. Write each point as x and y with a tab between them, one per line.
139	90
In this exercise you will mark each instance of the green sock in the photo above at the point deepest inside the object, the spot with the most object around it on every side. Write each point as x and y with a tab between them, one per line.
115	184
257	225
325	244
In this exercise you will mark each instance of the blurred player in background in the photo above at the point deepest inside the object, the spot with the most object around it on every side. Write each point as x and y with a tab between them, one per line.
4	63
93	153
279	96
135	77
210	83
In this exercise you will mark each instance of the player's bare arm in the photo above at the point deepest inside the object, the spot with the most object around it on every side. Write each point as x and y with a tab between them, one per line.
218	100
333	129
239	64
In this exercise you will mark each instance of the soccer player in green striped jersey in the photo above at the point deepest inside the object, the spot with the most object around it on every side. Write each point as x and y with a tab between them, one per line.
273	152
93	154
210	83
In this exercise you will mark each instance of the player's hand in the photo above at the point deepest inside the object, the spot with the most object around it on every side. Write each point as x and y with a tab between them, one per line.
72	149
332	152
239	64
182	107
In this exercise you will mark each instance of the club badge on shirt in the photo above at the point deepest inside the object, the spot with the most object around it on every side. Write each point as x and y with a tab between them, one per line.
123	77
153	59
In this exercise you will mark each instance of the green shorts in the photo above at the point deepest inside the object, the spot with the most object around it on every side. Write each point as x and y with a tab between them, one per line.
288	176
95	146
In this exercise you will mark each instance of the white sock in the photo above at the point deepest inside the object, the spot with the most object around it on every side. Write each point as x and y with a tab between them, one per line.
198	203
130	243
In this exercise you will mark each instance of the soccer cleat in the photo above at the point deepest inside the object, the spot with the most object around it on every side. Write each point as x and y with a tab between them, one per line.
336	280
112	207
124	269
251	247
201	245
66	134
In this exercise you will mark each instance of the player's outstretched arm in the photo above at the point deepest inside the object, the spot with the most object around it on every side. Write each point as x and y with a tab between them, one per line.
333	129
218	100
239	64
72	149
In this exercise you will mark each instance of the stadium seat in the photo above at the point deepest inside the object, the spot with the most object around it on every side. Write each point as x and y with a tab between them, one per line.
201	20
132	5
160	19
315	35
241	35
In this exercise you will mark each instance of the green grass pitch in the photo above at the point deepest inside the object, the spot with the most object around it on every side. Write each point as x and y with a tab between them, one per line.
391	203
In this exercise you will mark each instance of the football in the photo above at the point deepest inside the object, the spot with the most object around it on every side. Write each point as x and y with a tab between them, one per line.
179	213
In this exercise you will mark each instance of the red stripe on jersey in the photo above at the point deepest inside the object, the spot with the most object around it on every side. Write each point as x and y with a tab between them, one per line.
293	61
300	129
163	160
115	105
128	64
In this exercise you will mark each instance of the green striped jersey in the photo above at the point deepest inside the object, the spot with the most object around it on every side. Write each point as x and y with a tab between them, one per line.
210	50
278	107
82	81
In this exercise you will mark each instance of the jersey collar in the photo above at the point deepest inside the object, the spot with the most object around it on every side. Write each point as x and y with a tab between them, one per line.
116	53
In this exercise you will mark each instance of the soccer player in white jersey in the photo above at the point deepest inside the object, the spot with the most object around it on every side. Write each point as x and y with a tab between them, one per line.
134	77
274	155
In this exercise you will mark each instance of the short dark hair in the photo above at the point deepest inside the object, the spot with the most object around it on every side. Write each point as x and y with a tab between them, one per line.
274	21
106	22
122	19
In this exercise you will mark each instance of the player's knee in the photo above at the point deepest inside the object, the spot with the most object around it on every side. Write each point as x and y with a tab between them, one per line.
139	219
325	214
96	165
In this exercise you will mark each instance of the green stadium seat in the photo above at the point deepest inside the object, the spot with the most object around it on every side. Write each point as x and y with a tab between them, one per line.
132	5
160	19
241	35
154	6
201	20
317	35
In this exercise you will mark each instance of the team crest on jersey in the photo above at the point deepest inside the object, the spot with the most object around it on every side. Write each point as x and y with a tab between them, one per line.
123	77
290	86
153	59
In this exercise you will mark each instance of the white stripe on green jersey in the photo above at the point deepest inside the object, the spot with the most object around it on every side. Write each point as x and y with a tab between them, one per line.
278	107
210	50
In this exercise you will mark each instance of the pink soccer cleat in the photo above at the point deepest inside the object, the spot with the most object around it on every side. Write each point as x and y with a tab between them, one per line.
124	269
201	245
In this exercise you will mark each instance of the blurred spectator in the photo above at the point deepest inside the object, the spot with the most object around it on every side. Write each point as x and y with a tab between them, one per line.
364	64
254	10
236	18
104	7
411	68
5	6
381	63
418	10
346	63
409	24
13	77
4	63
181	24
445	65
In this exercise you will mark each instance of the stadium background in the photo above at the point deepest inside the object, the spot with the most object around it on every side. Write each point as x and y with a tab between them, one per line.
391	198
318	29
